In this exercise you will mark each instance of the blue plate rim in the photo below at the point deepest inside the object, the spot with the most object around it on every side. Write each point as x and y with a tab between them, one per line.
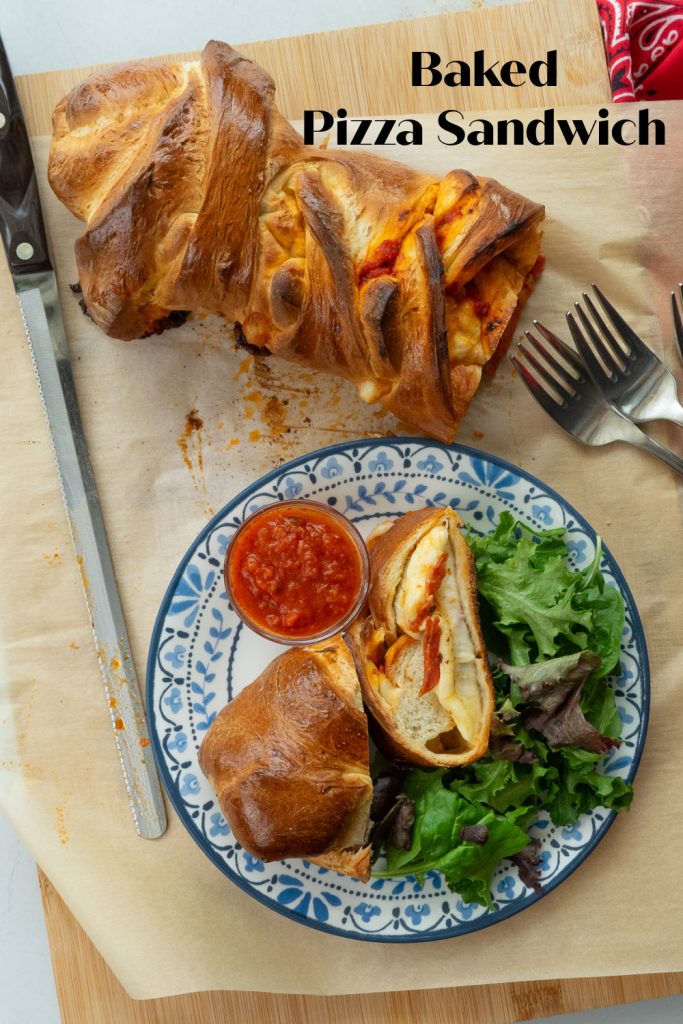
467	927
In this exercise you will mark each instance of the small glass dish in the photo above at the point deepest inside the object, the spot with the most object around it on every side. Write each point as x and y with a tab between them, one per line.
265	559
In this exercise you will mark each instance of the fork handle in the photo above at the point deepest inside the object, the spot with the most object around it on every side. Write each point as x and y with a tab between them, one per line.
672	460
676	416
666	412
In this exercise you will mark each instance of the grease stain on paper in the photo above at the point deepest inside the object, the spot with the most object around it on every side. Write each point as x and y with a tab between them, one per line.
279	404
191	443
62	833
29	771
24	754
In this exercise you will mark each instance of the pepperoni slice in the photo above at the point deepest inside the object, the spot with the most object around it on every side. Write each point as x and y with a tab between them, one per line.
433	583
431	654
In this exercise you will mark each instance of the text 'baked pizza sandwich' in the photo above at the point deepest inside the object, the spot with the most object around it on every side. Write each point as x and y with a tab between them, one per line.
199	196
420	654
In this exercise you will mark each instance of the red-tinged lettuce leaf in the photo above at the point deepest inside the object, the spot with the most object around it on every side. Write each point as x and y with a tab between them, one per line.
507	748
387	784
547	684
567	727
553	691
396	825
478	834
504	745
528	863
400	831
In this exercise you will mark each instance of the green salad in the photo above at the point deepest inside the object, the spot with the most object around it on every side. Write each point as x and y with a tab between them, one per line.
554	636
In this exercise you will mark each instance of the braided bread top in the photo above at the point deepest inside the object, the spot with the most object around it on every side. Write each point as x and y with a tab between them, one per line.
199	196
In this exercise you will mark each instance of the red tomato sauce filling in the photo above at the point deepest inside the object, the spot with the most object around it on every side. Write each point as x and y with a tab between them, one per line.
381	262
481	308
431	654
295	573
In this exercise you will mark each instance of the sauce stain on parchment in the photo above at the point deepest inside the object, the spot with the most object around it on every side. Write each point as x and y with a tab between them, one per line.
62	833
264	403
277	408
28	771
23	762
191	443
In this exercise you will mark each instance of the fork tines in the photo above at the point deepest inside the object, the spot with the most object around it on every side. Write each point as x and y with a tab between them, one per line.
604	345
603	354
555	378
630	342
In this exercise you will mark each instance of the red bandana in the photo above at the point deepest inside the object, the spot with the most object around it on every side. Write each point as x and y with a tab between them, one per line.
644	44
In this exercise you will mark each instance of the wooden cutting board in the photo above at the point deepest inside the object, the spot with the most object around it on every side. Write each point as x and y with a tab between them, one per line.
365	70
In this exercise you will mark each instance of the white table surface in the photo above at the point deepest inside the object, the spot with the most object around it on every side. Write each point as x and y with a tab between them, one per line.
45	35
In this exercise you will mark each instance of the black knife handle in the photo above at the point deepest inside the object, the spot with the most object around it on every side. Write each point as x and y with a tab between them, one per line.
21	219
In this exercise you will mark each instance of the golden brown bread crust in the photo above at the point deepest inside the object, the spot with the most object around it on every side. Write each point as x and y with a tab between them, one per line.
373	639
288	758
198	195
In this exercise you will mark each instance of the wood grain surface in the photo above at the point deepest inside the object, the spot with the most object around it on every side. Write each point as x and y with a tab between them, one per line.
89	993
367	70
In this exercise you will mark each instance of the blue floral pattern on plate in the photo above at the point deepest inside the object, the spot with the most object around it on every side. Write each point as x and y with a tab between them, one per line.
201	657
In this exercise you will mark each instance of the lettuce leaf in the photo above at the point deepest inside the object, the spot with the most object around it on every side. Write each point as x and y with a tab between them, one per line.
441	815
540	606
581	787
521	594
504	785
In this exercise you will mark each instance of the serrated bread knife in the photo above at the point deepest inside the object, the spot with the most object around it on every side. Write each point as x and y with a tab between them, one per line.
23	235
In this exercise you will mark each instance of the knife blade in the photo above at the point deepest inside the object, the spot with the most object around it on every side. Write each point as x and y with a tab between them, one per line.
23	235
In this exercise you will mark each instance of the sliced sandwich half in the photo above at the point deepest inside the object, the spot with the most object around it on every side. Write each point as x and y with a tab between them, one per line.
420	654
289	761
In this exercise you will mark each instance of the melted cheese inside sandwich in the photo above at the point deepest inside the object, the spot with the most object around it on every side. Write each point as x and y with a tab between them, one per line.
429	676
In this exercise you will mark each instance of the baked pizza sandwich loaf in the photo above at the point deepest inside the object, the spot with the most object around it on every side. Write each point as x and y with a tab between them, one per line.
419	653
289	761
198	196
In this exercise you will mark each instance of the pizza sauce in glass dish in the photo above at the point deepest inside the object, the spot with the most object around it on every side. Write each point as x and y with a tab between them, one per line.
297	572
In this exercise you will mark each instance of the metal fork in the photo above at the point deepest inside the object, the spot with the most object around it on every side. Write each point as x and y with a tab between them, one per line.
631	377
562	385
678	319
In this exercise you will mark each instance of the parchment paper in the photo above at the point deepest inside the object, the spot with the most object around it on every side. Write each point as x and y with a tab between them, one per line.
165	919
